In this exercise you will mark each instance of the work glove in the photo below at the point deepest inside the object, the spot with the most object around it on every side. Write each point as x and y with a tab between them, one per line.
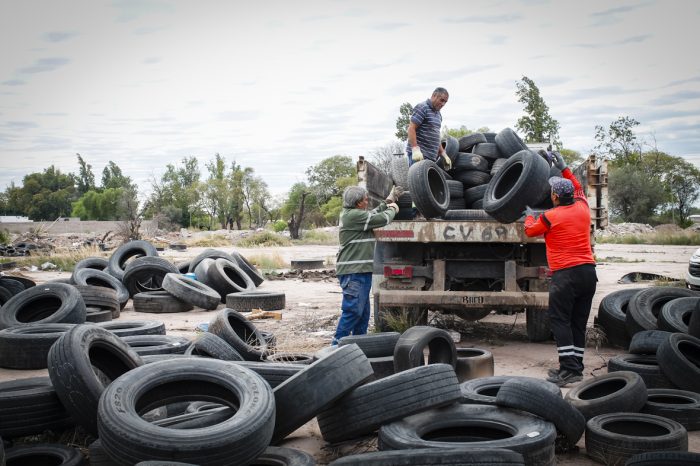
546	155
392	205
448	162
528	212
558	160
416	154
394	194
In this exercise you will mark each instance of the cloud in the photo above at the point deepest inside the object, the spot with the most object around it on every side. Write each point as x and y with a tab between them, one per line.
58	36
676	97
388	26
244	115
614	15
693	79
20	125
625	41
498	40
43	65
129	10
14	82
484	19
151	60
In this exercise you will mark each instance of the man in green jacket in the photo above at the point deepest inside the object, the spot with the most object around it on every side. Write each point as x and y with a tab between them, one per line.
355	258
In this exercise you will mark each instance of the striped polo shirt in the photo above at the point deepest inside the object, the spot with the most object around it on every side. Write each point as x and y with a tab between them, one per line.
429	122
356	252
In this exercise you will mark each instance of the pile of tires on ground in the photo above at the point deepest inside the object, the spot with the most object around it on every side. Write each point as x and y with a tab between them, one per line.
228	403
17	250
493	172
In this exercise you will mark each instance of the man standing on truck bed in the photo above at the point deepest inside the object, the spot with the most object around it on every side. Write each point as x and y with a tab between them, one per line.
424	130
355	259
566	230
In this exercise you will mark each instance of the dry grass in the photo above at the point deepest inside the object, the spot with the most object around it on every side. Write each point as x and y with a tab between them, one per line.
317	237
263	239
679	238
268	262
209	241
64	260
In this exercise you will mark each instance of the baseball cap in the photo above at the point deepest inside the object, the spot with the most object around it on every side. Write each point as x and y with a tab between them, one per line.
561	186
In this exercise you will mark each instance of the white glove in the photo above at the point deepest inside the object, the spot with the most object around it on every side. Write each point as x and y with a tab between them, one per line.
394	194
416	154
392	205
448	162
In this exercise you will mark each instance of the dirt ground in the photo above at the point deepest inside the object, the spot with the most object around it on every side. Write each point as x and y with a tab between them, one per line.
312	308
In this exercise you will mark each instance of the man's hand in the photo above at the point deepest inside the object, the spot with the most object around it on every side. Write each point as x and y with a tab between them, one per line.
558	161
394	194
546	155
448	162
416	154
528	212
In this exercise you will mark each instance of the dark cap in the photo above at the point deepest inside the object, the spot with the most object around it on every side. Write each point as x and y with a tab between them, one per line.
561	186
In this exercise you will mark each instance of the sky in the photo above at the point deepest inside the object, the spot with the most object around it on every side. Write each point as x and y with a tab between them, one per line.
281	85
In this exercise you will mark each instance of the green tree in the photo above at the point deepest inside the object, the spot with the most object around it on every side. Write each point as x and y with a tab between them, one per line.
112	177
178	187
403	120
464	131
255	195
44	196
94	205
619	141
571	157
323	176
538	125
680	180
86	178
295	208
633	196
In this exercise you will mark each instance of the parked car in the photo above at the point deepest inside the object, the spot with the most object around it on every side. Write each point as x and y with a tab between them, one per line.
692	278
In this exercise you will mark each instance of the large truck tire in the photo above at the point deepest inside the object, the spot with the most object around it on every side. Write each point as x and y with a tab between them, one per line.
521	182
428	188
127	251
537	324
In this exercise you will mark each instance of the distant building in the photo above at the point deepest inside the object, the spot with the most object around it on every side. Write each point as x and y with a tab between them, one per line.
14	219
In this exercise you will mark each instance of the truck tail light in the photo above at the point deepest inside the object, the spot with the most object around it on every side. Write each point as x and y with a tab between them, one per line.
403	271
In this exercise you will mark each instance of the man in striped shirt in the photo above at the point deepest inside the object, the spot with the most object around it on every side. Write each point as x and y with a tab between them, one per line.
355	258
424	130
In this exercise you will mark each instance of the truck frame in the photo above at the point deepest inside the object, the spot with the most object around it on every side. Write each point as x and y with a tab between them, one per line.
468	267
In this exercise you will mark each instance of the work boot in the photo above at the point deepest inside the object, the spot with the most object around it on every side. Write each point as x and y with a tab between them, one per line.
565	377
553	371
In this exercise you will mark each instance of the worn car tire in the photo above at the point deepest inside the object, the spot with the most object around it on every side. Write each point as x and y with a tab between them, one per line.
471	162
472	178
428	188
664	458
521	182
461	426
532	398
484	390
227	277
612	315
473	363
646	365
30	406
647	341
613	392
320	385
248	268
100	297
281	456
680	405
467	214
675	315
509	143
48	303
374	345
399	170
488	150
97	263
94	277
191	291
211	346
73	361
27	346
537	324
246	301
146	274
159	302
288	357
146	345
95	315
44	453
497	165
240	333
126	251
273	373
645	306
679	359
368	407
240	439
127	328
408	352
433	456
470	140
615	437
474	194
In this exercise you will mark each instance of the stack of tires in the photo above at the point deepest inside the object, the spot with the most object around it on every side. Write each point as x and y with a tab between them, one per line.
493	172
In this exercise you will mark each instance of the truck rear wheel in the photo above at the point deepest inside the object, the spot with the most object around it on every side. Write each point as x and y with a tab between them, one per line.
537	324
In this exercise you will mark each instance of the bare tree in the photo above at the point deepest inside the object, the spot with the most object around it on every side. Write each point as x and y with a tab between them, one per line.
381	157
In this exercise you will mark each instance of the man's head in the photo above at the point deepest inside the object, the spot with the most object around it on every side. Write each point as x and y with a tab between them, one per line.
562	191
355	197
439	98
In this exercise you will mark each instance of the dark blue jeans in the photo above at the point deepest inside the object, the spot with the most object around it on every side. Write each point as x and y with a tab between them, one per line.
355	317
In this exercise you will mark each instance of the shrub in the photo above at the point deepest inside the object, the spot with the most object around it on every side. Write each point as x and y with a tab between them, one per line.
279	226
265	239
317	237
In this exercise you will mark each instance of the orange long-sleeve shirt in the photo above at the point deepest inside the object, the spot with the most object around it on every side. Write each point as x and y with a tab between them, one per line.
566	230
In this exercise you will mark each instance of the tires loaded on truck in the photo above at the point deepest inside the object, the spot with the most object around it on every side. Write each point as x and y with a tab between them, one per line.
458	244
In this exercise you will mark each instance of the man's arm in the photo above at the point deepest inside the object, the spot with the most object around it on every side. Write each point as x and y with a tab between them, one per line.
412	140
536	227
578	189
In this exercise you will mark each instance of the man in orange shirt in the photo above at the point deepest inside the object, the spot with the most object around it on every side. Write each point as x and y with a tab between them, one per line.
566	230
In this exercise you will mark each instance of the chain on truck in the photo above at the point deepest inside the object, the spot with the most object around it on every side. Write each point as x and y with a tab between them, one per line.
470	267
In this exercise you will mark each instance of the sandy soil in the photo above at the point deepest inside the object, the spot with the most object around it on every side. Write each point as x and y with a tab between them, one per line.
312	308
